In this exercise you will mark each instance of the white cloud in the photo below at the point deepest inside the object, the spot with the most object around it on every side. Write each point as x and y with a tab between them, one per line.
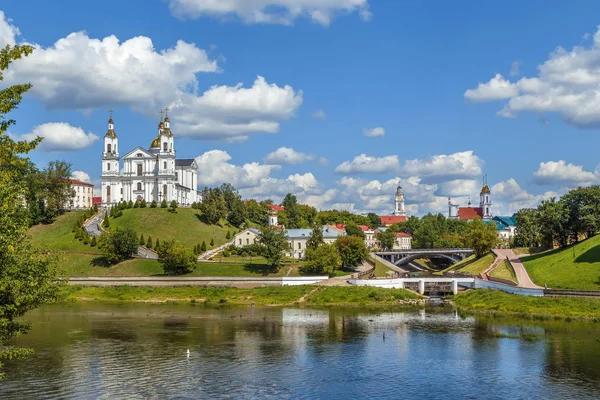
514	68
559	172
441	168
8	32
288	156
367	164
81	176
457	187
214	169
374	132
319	114
270	11
508	197
83	73
60	136
568	83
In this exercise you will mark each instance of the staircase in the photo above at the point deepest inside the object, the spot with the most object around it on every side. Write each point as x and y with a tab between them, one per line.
207	255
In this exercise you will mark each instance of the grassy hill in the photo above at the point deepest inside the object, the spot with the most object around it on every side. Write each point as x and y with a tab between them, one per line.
472	265
504	271
185	225
59	235
573	267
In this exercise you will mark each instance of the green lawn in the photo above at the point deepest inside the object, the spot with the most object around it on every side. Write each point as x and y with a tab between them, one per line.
472	265
574	267
382	270
58	235
504	271
184	226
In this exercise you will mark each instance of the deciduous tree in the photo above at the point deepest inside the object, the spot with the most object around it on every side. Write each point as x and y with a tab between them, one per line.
352	250
275	244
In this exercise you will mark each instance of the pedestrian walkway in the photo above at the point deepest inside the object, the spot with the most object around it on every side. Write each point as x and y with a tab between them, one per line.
211	253
92	225
522	275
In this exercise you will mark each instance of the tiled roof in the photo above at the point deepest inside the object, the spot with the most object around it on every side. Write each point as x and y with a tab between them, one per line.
78	182
328	232
508	221
391	219
469	213
402	234
275	207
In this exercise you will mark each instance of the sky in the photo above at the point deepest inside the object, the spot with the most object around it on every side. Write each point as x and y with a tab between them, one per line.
335	101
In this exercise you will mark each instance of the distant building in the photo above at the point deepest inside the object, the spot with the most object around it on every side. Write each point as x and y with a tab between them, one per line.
403	241
81	195
399	214
484	211
506	227
97	201
246	237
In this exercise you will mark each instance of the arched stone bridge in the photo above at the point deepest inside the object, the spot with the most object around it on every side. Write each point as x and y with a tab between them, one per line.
401	257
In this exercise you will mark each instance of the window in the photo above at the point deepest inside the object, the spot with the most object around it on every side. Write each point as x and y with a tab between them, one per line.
165	165
121	190
299	246
78	189
108	191
139	169
247	241
139	186
139	155
240	242
108	166
108	148
165	146
165	191
176	175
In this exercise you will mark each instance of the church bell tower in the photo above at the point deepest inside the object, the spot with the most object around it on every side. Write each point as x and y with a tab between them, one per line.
399	209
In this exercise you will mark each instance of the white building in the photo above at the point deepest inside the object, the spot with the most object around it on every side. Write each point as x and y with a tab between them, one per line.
403	241
153	174
484	211
246	237
81	195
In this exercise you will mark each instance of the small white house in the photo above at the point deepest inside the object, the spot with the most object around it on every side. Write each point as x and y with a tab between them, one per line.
246	237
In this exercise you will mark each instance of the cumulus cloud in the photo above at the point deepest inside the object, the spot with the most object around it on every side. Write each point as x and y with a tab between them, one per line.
83	73
363	163
319	114
559	172
8	32
288	156
283	12
457	187
508	197
60	136
444	167
214	169
81	176
374	132
567	83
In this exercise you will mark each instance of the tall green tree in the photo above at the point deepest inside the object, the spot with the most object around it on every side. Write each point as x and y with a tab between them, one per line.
275	244
552	217
352	250
119	245
324	259
527	232
354	230
481	237
292	211
375	221
257	212
213	206
28	278
316	238
57	188
386	239
175	258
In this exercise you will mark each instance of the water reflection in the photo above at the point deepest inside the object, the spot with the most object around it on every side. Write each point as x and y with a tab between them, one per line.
138	351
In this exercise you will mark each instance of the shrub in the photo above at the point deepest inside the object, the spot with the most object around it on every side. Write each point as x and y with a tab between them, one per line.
136	204
86	239
228	236
176	259
142	240
225	253
194	205
212	242
203	246
93	242
106	223
130	204
173	206
143	204
153	204
163	204
156	244
118	245
149	242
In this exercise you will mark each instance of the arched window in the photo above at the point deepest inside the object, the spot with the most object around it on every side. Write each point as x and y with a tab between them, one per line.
487	211
139	169
108	166
487	199
165	191
139	186
165	146
165	165
108	148
108	194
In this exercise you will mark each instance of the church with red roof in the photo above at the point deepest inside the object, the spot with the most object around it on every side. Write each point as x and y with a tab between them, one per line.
469	213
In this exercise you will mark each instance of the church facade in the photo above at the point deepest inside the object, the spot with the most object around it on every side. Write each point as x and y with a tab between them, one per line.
147	174
484	211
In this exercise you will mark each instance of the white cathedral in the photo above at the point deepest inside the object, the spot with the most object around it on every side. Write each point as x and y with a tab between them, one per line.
152	174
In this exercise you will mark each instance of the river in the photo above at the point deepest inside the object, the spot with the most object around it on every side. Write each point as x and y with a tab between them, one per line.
135	351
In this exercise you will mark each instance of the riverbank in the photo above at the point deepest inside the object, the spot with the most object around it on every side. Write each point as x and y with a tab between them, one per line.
309	295
496	303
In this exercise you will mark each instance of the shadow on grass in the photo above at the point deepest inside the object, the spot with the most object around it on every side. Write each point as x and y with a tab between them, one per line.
263	269
589	256
101	261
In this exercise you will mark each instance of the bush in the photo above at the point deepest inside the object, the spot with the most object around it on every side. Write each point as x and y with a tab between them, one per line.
118	214
86	239
194	205
153	204
106	223
156	244
118	245
136	204
212	242
93	242
254	249
203	246
142	240
228	236
130	204
163	204
143	204
173	206
225	253
176	259
149	242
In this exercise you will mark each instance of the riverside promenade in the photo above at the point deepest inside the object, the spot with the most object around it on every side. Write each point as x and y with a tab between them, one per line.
211	281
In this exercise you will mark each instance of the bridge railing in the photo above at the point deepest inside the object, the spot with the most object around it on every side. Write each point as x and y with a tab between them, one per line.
439	250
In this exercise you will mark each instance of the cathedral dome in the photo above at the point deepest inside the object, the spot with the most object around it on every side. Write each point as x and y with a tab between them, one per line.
485	190
155	143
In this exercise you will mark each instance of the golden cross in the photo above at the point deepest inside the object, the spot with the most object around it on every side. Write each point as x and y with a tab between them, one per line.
111	111
161	113
167	111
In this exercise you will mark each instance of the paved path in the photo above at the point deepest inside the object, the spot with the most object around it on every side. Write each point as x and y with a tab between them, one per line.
92	225
208	254
522	275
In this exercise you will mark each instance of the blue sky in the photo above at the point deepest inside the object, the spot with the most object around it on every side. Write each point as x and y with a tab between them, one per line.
456	92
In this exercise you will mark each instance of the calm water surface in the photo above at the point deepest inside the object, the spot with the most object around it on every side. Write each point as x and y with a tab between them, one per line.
139	352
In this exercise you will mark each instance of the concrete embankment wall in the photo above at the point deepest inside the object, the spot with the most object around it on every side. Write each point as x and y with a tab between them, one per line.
481	284
239	282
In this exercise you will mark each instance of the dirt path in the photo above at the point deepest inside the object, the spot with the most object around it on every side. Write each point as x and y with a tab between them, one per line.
303	298
522	275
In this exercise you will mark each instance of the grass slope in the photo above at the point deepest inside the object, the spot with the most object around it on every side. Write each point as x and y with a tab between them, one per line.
185	226
496	302
504	271
58	235
267	296
574	267
472	265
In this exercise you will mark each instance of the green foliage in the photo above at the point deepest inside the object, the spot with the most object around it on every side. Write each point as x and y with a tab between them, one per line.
156	245
292	211
130	204
28	278
258	212
107	222
527	228
163	204
352	250
275	244
324	259
176	259
142	240
236	208
173	206
86	238
228	236
154	204
119	245
93	242
212	242
354	230
481	237
136	204
213	206
194	205
316	238
386	239
375	221
203	247
333	217
143	204
149	242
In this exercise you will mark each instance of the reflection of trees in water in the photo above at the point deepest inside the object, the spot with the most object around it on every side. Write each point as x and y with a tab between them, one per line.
573	352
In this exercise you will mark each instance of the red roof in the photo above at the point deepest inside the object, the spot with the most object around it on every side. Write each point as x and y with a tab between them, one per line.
469	213
96	200
343	226
275	207
391	219
78	182
402	234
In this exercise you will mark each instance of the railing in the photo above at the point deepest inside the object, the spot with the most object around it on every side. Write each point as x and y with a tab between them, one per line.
416	251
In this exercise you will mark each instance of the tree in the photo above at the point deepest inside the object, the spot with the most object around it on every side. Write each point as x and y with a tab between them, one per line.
173	206
142	241
143	204
316	238
136	204
163	204
153	204
481	237
352	250
387	239
374	219
149	242
552	217
257	212
176	259
324	259
212	242
213	207
93	242
228	236
156	245
28	278
57	187
107	222
354	230
527	232
203	246
275	244
118	245
292	211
